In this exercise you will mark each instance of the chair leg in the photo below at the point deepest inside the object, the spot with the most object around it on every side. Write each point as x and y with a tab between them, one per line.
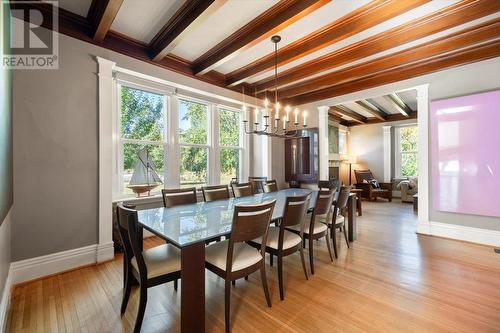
143	299
280	277
227	305
311	255
334	242
175	284
126	292
270	259
301	251
263	277
345	236
233	282
329	246
246	277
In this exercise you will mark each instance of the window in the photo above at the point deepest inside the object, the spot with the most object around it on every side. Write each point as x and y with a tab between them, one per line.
193	139
141	126
407	150
191	142
230	144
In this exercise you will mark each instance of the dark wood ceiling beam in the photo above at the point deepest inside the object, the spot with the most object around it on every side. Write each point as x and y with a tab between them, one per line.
273	20
363	18
390	118
398	104
344	111
101	15
335	117
371	109
191	14
473	35
451	16
452	59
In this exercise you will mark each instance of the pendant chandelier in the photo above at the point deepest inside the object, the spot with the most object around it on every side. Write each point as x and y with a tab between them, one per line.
279	125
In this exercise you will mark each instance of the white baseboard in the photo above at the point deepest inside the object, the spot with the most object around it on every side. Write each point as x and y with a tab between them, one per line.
5	301
29	269
105	252
453	231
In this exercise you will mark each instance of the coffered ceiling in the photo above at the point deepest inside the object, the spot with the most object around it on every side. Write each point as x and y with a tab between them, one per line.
328	47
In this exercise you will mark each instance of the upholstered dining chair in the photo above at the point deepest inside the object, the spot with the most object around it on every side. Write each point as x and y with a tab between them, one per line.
257	183
338	219
271	186
217	192
158	265
282	242
179	196
233	258
242	190
314	228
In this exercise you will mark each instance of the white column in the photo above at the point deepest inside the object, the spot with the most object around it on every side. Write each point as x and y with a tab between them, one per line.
105	246
423	158
323	141
387	153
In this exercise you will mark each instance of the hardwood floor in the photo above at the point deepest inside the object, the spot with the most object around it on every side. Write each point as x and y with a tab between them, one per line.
391	280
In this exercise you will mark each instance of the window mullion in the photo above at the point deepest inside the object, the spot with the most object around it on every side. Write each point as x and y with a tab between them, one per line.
173	150
214	150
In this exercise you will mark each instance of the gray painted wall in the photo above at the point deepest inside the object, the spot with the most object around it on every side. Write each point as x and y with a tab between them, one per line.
56	144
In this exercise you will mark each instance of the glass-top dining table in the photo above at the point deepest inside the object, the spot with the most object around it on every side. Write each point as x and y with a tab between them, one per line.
189	226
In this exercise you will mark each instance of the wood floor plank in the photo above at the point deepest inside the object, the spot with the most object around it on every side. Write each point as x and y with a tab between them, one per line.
390	280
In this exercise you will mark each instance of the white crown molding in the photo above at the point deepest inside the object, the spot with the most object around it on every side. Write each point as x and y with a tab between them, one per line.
458	232
5	301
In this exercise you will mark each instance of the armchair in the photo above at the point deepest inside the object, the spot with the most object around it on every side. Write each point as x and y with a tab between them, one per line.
364	182
408	189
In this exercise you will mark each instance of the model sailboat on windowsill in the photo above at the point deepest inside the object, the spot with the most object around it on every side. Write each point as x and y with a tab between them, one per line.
144	178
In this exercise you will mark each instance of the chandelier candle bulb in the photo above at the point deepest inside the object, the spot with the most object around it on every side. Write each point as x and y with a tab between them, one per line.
296	116
244	111
284	124
287	109
256	116
304	116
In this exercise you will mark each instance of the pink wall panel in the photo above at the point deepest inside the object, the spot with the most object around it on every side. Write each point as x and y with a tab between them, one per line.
465	148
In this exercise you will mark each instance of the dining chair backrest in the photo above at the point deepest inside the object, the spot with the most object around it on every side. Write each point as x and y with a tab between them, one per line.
323	206
179	196
249	222
343	198
296	208
217	192
257	183
327	185
128	226
242	190
270	186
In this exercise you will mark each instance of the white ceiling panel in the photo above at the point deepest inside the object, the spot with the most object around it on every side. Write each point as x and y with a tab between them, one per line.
394	22
222	23
410	98
141	19
358	109
308	24
80	7
382	103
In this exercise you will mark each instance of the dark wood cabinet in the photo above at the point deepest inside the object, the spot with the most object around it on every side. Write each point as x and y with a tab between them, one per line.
302	157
